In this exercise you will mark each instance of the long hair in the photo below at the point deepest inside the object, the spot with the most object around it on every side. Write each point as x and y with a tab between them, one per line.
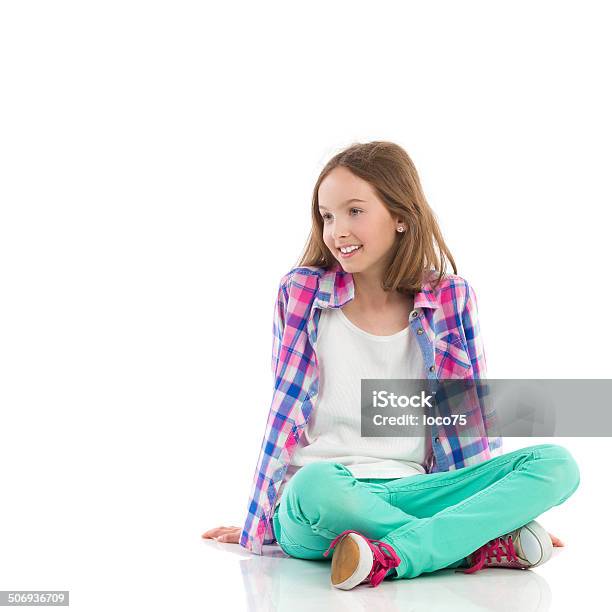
393	176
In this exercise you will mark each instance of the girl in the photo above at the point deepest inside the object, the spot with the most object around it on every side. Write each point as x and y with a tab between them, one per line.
370	299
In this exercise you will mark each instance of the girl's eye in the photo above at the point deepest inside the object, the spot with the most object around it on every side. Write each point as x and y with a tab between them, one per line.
326	215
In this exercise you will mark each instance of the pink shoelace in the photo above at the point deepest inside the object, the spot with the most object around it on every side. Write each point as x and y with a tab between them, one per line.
385	557
498	548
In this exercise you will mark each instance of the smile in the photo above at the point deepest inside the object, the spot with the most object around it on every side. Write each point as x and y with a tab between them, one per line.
352	253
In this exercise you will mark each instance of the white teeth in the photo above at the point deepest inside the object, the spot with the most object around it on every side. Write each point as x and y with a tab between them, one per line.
349	249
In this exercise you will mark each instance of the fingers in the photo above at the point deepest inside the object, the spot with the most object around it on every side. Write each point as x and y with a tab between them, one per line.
558	542
222	534
232	536
215	530
555	540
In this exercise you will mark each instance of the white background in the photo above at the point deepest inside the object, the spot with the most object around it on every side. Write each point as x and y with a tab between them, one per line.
157	164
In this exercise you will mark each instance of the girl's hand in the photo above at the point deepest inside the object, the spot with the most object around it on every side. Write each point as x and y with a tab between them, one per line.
230	535
555	540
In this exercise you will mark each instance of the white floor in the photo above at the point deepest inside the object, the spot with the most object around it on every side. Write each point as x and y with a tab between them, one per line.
271	583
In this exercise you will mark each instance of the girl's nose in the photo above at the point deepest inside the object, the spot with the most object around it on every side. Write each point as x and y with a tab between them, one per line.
339	233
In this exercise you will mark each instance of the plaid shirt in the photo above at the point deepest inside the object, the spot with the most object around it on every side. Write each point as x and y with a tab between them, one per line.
445	324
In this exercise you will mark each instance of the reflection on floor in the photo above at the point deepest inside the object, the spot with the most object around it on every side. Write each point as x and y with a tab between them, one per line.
276	582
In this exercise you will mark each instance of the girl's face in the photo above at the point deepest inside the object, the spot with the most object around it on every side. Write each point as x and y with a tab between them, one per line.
353	215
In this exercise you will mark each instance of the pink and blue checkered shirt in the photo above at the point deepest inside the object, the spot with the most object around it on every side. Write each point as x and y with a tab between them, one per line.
444	321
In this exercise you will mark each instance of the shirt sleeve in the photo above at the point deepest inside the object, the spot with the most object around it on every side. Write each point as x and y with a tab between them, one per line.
476	351
278	323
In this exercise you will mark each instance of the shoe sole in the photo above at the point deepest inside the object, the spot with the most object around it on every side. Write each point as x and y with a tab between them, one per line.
541	535
351	562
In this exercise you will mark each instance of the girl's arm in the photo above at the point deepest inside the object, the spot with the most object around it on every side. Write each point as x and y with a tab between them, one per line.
278	324
476	352
471	326
233	533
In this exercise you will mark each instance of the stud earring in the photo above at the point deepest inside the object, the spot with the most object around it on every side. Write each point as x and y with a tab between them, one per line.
401	228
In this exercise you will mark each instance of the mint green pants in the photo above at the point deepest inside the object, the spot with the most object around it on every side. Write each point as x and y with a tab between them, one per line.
432	521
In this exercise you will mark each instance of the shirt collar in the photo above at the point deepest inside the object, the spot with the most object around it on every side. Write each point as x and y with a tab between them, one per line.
336	288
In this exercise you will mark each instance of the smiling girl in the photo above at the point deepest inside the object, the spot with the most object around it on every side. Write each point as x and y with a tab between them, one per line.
370	298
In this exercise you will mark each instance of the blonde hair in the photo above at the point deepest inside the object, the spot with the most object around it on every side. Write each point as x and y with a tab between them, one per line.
393	176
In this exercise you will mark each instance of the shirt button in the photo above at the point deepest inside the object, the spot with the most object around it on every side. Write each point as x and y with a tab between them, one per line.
414	314
432	368
437	439
420	330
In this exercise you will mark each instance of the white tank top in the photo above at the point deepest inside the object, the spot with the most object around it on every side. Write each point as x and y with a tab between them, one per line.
346	354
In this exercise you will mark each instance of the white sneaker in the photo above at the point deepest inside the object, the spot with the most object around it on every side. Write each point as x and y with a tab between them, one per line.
525	547
357	559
